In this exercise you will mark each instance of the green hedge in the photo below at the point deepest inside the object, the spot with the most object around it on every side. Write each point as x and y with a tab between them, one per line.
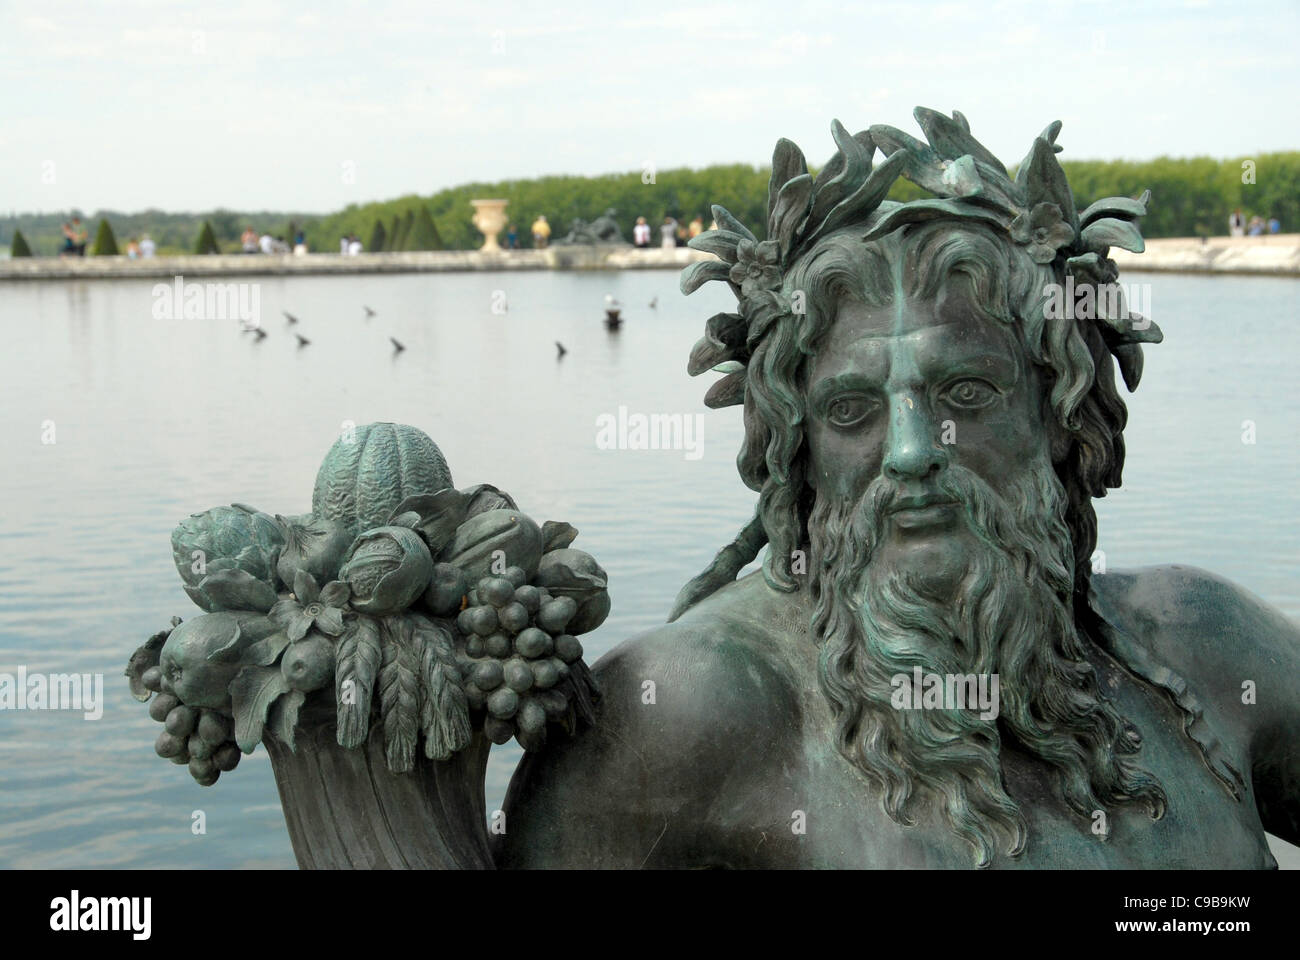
207	242
105	244
423	234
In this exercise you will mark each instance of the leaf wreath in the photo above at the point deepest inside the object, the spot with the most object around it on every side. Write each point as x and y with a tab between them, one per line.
969	183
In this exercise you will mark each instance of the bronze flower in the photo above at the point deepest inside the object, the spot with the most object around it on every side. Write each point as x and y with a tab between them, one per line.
1043	230
757	267
311	606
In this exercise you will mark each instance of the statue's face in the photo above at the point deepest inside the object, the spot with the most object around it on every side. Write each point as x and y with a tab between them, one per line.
908	390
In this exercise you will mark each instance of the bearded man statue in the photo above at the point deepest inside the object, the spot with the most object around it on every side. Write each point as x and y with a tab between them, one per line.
926	671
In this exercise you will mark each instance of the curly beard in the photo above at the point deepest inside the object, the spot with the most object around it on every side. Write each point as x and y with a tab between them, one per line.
1005	610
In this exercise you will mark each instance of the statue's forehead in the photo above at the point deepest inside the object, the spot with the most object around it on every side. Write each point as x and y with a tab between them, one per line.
948	317
911	338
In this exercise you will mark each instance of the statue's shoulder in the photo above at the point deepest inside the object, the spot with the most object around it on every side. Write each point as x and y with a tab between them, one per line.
1214	633
705	710
743	650
1187	601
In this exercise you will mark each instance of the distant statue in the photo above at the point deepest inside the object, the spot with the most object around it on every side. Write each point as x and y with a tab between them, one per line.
932	666
580	233
601	230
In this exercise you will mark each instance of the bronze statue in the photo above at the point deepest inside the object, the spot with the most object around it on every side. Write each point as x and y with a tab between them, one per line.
603	229
926	671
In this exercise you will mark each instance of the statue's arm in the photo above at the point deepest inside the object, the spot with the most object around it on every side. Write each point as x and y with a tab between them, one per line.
1275	742
682	781
1241	657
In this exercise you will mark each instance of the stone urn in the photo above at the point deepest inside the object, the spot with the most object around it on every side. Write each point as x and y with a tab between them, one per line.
490	219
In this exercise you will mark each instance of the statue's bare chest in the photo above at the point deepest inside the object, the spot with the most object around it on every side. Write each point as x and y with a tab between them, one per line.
835	817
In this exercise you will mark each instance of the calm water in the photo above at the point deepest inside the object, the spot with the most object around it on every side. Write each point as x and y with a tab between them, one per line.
155	419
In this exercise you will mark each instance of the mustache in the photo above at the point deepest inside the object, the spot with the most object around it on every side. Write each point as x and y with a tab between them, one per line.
1029	514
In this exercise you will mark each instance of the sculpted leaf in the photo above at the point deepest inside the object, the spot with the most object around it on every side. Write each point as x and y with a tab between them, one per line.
839	177
1044	181
792	205
727	392
483	497
252	692
438	514
1110	232
283	721
145	656
409	519
952	139
1121	208
556	535
265	651
698	274
788	164
235	589
721	243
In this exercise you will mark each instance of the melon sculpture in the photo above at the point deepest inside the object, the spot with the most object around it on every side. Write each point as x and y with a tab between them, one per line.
371	469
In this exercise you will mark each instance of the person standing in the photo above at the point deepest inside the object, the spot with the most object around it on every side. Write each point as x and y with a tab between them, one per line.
249	240
79	237
541	232
1237	224
512	237
668	234
697	227
354	246
147	247
641	233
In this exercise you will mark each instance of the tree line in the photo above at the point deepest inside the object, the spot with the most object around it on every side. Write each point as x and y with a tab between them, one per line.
1191	197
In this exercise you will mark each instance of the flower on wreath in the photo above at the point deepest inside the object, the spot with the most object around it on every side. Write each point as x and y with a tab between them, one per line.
1044	230
757	268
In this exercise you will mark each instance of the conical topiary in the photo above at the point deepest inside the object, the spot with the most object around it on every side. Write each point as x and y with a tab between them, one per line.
377	237
423	235
404	230
394	229
207	242
19	246
105	243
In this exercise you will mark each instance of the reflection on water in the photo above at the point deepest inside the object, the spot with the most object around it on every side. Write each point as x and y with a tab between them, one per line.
154	419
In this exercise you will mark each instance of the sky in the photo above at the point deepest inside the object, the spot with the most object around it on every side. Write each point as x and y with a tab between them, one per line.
254	104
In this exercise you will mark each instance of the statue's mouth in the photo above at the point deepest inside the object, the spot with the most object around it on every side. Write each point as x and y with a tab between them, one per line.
916	512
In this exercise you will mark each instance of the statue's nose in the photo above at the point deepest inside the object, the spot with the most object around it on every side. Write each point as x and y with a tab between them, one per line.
912	447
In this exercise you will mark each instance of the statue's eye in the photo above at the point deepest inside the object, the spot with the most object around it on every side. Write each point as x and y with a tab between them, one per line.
971	394
850	410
